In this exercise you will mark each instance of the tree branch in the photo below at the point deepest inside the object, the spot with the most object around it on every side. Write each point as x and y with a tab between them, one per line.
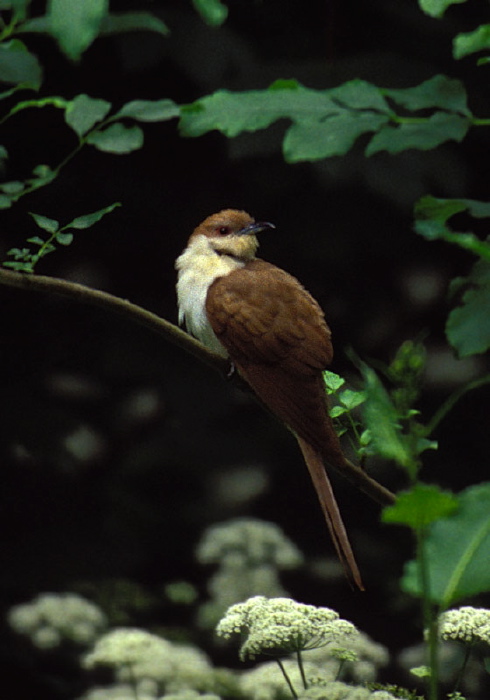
171	333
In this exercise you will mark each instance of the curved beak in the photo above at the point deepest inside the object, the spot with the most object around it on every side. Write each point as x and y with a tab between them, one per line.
256	227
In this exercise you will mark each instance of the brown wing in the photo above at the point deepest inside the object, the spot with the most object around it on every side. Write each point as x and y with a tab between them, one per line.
277	337
262	314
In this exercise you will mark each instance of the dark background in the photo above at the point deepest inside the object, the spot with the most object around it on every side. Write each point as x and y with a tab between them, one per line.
157	432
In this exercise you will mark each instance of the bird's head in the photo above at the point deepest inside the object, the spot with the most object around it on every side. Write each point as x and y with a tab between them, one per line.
232	232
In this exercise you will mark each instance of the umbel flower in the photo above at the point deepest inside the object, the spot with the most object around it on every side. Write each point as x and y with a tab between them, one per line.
467	624
280	626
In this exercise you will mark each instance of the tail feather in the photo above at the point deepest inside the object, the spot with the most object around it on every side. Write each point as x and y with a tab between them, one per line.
331	511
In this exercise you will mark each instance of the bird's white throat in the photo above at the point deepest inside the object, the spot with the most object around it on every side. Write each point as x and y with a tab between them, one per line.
198	266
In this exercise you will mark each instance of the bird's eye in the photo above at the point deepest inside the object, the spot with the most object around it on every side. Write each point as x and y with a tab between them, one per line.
223	230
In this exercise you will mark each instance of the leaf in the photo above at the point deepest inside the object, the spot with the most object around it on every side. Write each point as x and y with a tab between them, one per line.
431	215
333	136
471	42
437	92
424	135
149	110
88	220
382	421
18	66
64	238
117	138
76	24
436	8
50	225
118	22
351	399
457	551
359	94
419	507
12	187
468	325
332	381
83	112
213	12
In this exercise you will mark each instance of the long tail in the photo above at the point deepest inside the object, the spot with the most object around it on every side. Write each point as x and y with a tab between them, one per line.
331	511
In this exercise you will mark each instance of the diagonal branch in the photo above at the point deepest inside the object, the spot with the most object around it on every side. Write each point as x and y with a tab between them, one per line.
171	333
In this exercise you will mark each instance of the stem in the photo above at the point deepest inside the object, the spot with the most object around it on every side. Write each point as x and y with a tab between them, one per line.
430	620
301	669
467	653
448	404
288	680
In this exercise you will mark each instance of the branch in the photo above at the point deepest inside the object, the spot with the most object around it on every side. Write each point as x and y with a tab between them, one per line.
122	307
171	333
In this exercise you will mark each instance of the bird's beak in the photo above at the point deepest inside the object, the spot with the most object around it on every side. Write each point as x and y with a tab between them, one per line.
256	227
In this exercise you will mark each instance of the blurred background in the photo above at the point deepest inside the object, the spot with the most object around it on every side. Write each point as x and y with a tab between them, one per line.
117	449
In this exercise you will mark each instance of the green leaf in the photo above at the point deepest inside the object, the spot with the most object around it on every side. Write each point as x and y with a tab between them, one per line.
431	215
437	92
351	399
118	22
382	420
213	12
76	24
468	325
332	381
359	94
337	411
83	112
64	238
419	507
436	8
88	220
18	66
333	136
19	266
36	240
117	138
12	187
149	110
5	202
423	134
471	42
50	225
457	551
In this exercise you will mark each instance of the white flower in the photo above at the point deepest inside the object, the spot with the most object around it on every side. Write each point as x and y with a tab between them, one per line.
466	624
135	654
52	617
281	625
248	541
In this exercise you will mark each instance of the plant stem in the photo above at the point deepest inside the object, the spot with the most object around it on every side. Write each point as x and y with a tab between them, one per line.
448	404
430	620
301	669
287	679
467	653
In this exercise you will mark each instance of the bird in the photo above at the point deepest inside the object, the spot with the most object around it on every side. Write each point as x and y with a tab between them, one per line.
274	333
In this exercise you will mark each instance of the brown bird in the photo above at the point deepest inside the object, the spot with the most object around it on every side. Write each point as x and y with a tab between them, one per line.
275	335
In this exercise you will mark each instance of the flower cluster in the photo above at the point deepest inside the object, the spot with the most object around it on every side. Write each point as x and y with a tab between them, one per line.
51	618
466	624
250	553
137	655
278	626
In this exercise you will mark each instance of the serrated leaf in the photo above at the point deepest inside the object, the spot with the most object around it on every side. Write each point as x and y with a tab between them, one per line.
439	92
118	22
419	507
18	66
64	238
76	24
332	381
471	42
149	110
468	325
117	138
49	225
382	420
423	135
84	112
88	220
213	12
361	95
436	8
457	551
